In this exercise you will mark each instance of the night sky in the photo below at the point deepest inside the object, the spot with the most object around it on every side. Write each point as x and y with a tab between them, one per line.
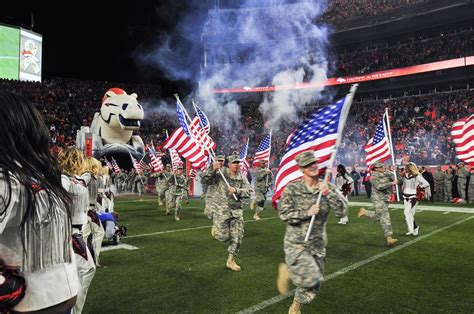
85	42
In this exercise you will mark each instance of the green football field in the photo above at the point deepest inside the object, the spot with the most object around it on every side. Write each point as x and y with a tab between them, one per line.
9	55
179	268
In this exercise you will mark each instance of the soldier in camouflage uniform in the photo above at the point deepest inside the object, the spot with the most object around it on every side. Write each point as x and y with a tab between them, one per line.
382	183
463	175
162	185
439	184
228	216
263	181
177	188
140	181
470	189
131	180
448	184
305	261
212	197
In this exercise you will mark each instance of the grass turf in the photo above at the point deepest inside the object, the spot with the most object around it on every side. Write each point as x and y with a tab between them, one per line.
183	271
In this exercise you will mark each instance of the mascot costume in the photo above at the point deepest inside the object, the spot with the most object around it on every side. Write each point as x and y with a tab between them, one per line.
112	128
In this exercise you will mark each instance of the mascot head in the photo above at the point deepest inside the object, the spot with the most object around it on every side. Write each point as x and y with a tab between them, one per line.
121	110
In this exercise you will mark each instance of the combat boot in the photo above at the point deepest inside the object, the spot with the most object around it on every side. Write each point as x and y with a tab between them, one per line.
295	308
256	216
213	232
283	279
160	203
391	241
361	212
231	264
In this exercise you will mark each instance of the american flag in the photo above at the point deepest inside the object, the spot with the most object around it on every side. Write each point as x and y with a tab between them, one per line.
175	159
263	150
463	137
187	148
115	166
143	165
319	132
136	164
200	135
203	120
107	162
244	164
156	163
378	147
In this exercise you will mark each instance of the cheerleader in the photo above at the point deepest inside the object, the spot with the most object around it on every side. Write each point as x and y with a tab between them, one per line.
412	180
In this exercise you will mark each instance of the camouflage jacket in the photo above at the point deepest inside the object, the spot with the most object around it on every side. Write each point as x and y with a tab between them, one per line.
381	185
229	205
463	174
162	178
141	179
439	176
263	180
295	202
448	179
180	185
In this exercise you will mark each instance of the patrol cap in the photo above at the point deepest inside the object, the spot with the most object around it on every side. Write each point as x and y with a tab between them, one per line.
305	159
179	167
233	158
220	157
378	164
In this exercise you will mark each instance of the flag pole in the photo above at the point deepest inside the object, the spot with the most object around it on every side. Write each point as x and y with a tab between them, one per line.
392	151
269	155
342	122
209	150
172	166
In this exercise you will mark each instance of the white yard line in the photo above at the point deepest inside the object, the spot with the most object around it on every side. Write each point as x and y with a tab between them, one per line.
422	207
349	268
445	213
186	229
118	247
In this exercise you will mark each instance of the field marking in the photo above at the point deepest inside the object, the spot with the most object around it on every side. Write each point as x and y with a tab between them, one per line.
186	229
118	247
349	268
445	213
422	207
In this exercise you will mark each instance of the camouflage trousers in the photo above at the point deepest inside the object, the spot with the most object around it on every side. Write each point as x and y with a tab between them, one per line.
140	189
229	229
439	191
161	193
382	215
470	191
260	199
169	199
462	189
306	272
175	202
449	192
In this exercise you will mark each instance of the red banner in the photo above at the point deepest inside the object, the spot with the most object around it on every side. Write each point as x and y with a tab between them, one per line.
88	146
379	75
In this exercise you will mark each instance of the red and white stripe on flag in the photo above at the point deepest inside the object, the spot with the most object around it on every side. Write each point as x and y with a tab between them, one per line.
187	148
176	160
463	137
378	147
200	135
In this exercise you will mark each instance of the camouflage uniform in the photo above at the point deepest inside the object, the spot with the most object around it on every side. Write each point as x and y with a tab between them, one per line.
306	260
263	181
470	189
131	179
381	190
227	213
162	186
211	195
463	174
140	181
448	186
177	190
439	185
